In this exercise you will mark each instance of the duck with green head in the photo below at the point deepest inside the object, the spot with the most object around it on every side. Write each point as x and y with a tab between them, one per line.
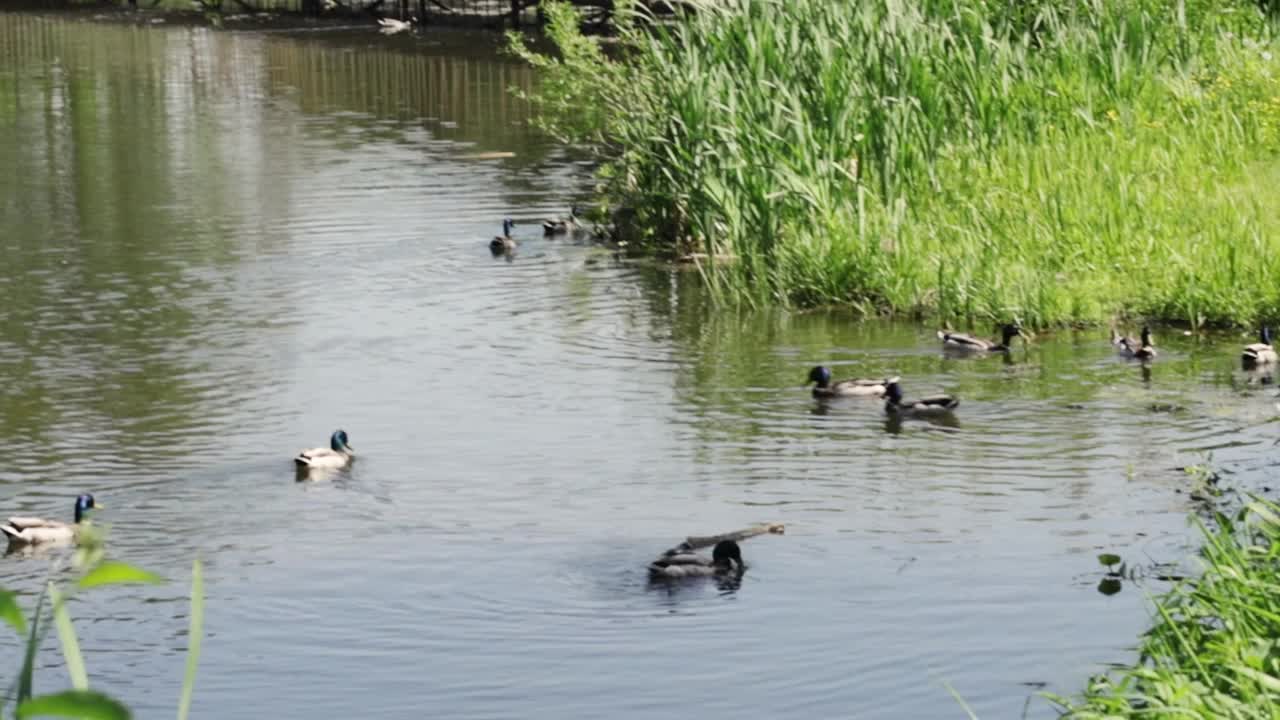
560	226
825	388
36	531
339	454
1261	352
1136	349
895	405
504	244
962	342
726	559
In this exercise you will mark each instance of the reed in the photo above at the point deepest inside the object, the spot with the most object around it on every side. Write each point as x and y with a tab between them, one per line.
1211	652
1059	160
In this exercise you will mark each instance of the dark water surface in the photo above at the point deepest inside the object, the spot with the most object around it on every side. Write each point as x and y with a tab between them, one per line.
220	247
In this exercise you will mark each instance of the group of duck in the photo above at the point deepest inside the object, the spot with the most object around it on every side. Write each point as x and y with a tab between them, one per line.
683	561
1256	355
505	244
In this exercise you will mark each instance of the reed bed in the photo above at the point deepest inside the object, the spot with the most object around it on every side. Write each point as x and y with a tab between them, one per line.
1212	650
1057	160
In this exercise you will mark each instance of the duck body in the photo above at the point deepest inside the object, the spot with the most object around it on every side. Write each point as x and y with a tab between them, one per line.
1137	349
504	244
920	407
963	342
1261	352
339	454
38	531
561	226
391	26
726	559
860	387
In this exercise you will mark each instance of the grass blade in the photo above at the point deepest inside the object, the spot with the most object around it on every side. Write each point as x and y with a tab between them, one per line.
194	636
29	657
67	637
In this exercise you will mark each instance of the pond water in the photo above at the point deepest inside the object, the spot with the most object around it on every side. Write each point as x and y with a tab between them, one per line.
220	247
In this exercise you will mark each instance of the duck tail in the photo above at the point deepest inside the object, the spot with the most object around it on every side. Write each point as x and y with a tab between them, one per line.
302	461
12	532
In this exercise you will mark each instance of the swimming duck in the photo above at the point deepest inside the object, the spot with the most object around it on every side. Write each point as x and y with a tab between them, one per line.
560	226
827	389
726	558
1130	348
504	243
339	453
1261	352
968	343
391	26
930	405
34	530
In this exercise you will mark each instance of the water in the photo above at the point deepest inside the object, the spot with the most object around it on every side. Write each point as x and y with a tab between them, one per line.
221	247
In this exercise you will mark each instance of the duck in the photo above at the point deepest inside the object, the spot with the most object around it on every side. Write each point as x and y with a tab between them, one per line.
930	405
391	26
1261	352
726	559
560	226
1130	348
504	244
35	531
339	454
968	343
860	386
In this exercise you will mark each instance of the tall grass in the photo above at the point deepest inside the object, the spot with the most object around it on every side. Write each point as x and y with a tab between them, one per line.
1061	160
1214	650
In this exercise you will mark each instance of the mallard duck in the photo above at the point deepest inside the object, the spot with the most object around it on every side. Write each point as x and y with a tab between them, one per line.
34	530
504	243
1261	352
968	343
339	453
827	389
726	558
930	405
560	226
391	26
1130	348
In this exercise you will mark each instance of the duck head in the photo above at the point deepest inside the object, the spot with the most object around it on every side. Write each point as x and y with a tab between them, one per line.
1008	332
726	553
506	227
1265	335
84	503
820	375
1146	336
893	392
339	441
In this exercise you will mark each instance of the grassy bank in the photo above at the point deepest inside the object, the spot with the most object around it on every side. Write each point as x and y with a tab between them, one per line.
1058	160
1212	652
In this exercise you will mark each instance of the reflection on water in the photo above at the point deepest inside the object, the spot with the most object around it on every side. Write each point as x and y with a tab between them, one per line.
220	247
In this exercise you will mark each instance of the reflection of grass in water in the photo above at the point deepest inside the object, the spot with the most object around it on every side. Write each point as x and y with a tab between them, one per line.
1212	650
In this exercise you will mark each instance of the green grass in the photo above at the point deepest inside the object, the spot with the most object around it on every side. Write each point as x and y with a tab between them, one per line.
1059	160
1214	651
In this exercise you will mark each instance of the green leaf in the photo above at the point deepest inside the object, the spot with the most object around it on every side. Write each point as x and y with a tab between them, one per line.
1107	559
118	573
194	636
83	704
70	645
29	657
11	613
